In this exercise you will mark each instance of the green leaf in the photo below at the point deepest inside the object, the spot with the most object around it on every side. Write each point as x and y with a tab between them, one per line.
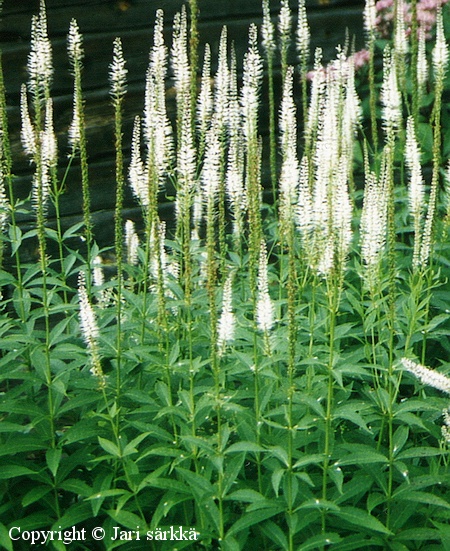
22	443
15	237
363	458
318	504
312	459
232	470
245	447
320	541
53	457
444	534
77	487
22	302
276	534
418	534
362	519
423	497
5	540
253	518
75	514
400	438
131	446
35	494
127	519
424	451
11	471
247	495
109	447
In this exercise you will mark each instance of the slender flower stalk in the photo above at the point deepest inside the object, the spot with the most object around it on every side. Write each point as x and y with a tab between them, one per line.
210	180
284	30
289	177
90	330
227	321
269	47
416	187
422	64
40	65
204	102
193	50
440	56
370	15
131	243
390	94
118	74
303	39
221	110
373	229
265	312
250	105
77	133
234	178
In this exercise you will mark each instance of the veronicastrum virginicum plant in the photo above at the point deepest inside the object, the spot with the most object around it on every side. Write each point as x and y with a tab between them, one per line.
236	372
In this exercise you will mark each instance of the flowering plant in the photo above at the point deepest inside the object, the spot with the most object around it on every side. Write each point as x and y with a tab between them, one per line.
243	376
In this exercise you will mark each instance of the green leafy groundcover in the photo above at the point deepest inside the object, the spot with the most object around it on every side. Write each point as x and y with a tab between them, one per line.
255	377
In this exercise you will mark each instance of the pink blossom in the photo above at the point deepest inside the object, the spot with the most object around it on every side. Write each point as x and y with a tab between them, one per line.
426	15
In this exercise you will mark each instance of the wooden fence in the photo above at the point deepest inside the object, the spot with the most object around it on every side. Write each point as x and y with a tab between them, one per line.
101	21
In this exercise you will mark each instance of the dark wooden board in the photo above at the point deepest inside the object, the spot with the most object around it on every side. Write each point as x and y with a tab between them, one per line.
101	21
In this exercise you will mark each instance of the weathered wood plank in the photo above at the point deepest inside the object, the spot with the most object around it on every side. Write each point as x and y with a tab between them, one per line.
100	21
97	15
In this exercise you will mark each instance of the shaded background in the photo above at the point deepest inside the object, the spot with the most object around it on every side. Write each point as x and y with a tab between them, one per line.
100	21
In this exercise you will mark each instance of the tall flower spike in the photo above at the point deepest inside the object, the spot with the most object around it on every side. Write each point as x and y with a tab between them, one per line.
267	30
440	51
284	23
370	18
373	225
89	329
227	321
180	60
221	81
75	43
158	53
390	94
205	98
317	90
76	54
412	157
27	133
422	63
131	243
265	315
49	150
118	72
74	132
303	34
400	38
289	177
446	425
342	209
136	173
210	177
427	376
4	204
40	66
253	68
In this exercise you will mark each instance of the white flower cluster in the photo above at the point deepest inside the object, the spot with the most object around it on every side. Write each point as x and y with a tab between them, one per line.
89	329
227	320
427	376
265	315
117	71
40	66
